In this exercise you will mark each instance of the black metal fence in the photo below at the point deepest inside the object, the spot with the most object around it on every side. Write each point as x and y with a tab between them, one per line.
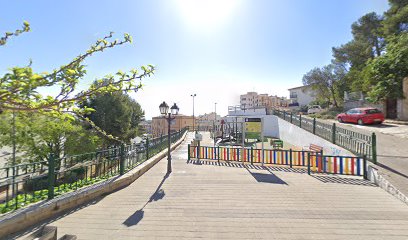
357	143
27	183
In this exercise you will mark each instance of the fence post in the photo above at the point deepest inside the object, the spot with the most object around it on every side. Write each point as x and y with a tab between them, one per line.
374	148
188	152
218	153
290	157
314	125
122	159
147	148
300	120
333	137
365	166
308	163
199	151
322	160
51	176
252	155
291	117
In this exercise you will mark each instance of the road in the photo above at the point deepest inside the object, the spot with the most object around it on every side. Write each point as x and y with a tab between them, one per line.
392	150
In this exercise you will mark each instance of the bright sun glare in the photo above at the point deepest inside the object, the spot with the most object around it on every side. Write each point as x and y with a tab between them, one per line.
206	14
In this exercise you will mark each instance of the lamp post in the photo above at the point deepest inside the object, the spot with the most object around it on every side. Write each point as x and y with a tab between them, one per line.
215	120
164	110
193	95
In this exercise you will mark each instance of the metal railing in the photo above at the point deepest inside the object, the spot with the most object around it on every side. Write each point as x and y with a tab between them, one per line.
315	162
357	143
27	183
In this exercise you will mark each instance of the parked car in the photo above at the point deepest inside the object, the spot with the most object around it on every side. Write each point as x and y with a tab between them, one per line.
314	109
362	116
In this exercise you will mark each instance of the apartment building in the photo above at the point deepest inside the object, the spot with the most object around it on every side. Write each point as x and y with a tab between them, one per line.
146	126
254	100
160	125
206	121
249	100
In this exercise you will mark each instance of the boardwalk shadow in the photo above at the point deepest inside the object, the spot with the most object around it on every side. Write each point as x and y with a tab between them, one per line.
268	167
342	180
136	217
266	177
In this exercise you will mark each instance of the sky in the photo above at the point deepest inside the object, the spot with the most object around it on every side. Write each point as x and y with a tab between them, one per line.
216	49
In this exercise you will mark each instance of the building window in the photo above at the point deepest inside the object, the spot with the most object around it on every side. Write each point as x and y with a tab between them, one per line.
293	95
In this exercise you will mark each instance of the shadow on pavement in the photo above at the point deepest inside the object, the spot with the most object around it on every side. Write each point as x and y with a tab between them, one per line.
136	217
248	166
383	125
266	177
337	179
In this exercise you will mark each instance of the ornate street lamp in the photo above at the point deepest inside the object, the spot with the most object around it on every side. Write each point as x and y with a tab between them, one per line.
164	110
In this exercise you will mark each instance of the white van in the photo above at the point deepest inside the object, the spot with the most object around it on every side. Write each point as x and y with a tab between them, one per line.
314	109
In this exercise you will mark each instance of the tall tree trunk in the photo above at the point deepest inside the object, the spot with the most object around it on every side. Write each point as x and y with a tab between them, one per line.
333	94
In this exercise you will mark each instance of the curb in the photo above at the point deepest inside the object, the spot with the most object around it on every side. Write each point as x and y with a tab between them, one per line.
26	217
380	181
397	122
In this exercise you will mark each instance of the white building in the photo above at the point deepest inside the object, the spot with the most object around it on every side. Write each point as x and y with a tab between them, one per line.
252	100
303	95
239	111
249	100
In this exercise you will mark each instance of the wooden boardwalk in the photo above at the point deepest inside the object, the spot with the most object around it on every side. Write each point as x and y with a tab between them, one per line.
232	201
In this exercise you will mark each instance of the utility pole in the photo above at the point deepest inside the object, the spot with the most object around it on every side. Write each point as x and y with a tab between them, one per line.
193	95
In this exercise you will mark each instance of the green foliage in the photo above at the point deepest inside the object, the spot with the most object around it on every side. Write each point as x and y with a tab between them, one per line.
117	114
327	114
7	35
385	73
396	18
375	60
37	195
366	44
325	81
19	87
37	136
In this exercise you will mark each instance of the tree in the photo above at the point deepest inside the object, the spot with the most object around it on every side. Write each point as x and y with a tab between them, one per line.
19	87
37	136
368	29
396	18
367	43
325	81
116	114
384	74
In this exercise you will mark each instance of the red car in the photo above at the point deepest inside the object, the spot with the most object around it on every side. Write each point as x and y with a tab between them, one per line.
362	116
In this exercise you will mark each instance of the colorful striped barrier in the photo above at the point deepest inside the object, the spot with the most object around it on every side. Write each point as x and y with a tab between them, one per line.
314	161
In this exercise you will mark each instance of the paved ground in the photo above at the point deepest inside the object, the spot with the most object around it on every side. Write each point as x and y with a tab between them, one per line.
230	201
392	149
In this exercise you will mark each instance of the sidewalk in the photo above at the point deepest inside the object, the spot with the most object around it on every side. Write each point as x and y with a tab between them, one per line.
399	122
392	151
231	201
